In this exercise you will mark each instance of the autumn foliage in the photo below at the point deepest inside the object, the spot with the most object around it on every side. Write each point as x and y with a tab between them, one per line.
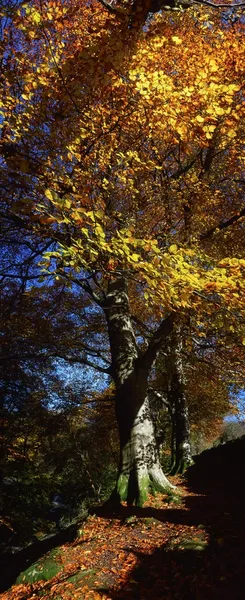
122	186
127	147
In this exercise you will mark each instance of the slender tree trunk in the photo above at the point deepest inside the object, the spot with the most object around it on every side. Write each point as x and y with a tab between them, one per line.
179	404
139	469
173	438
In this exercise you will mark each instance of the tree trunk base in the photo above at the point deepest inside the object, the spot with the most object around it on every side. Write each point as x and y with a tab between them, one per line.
180	468
135	487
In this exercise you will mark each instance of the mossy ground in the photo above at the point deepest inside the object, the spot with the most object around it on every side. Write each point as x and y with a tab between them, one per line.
192	548
44	569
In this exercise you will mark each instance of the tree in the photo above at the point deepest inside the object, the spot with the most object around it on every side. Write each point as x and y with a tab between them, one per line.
178	405
52	422
193	383
121	140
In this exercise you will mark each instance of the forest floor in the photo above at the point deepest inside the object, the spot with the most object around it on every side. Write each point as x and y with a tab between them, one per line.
192	548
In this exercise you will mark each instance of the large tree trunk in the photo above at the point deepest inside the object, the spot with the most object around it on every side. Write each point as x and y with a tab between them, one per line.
179	405
139	469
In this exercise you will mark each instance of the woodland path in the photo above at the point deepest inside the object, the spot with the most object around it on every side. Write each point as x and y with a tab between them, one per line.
190	550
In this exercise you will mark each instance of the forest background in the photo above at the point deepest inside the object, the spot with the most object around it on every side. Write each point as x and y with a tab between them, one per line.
122	252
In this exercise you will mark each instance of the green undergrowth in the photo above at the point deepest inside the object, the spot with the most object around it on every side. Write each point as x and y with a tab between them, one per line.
197	543
44	569
77	578
48	567
173	497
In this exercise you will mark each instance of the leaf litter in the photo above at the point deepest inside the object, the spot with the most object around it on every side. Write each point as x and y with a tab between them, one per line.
162	551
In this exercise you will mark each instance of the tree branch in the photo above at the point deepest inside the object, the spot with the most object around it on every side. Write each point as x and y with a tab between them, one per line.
83	361
85	285
223	225
93	352
159	396
153	6
155	344
112	9
214	5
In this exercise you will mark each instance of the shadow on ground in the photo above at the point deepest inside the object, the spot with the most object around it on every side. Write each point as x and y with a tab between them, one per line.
192	571
11	565
186	569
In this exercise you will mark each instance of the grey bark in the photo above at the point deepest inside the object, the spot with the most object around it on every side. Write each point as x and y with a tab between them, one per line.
179	407
139	468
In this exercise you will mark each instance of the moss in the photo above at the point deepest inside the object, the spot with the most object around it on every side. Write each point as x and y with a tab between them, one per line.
80	575
122	487
44	569
132	520
173	498
144	484
197	544
152	521
133	490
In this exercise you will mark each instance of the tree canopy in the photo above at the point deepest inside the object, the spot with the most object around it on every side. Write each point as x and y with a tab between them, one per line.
122	189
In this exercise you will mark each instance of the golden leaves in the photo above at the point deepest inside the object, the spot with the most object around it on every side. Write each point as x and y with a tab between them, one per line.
200	119
125	124
49	194
173	249
176	40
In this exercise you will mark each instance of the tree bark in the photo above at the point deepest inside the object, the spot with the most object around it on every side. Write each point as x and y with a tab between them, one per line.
139	469
173	438
179	405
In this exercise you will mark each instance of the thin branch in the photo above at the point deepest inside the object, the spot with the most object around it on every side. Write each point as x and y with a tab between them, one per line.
84	284
183	169
83	361
214	5
159	396
223	225
24	277
93	352
143	326
114	10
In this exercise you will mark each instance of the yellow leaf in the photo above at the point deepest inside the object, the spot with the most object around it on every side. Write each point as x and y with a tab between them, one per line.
176	40
200	119
231	133
219	111
35	16
213	65
135	257
48	194
173	249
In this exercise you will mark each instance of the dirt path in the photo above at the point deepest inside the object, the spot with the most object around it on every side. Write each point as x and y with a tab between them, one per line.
193	549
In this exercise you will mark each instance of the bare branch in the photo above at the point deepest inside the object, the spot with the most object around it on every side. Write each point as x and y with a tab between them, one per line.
214	5
83	361
160	396
157	5
112	9
223	225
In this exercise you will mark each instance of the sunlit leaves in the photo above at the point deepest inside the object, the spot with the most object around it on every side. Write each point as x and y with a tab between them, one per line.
126	131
